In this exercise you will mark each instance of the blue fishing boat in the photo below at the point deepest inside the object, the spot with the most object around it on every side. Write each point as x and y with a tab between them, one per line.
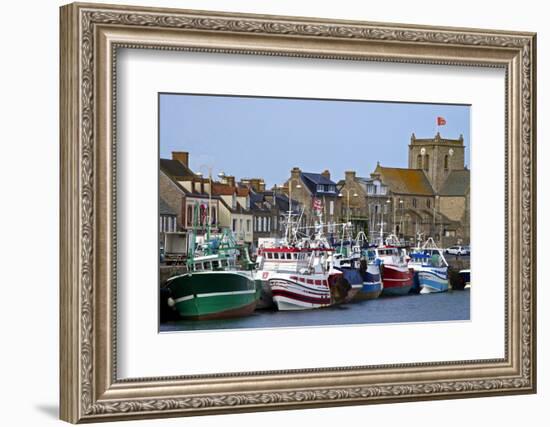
370	272
359	265
430	269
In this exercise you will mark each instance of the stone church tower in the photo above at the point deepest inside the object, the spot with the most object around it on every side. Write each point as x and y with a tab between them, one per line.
437	157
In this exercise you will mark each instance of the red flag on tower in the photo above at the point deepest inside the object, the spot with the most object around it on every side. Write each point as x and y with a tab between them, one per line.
441	121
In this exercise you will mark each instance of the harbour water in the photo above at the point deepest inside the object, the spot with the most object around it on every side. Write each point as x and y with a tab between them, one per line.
437	307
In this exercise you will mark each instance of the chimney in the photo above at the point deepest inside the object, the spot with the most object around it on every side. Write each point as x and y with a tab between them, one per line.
257	184
230	180
295	173
326	174
350	176
181	156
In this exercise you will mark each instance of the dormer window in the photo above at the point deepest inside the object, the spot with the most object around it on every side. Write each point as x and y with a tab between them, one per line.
320	188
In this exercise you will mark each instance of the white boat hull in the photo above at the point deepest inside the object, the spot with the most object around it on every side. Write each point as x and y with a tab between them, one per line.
290	293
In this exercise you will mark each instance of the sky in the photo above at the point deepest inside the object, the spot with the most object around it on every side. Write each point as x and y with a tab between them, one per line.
251	137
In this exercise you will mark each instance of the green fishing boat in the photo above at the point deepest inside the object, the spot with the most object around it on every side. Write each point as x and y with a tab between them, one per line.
219	283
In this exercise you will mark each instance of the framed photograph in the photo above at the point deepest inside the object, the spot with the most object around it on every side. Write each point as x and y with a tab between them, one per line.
266	212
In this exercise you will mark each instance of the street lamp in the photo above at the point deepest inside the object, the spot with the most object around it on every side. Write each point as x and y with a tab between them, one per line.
400	216
209	214
436	198
348	191
290	204
388	211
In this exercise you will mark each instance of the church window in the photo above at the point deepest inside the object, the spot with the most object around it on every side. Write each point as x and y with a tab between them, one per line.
419	162
426	162
446	165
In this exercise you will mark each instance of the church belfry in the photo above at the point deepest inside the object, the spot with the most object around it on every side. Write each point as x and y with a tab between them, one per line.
437	157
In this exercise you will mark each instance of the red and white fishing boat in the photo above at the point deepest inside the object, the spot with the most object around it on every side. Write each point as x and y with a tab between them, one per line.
301	278
397	277
299	271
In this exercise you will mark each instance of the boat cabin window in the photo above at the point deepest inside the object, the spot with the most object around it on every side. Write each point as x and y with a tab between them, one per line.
269	255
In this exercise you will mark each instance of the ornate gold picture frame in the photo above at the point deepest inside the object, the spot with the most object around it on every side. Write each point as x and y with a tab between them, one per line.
91	34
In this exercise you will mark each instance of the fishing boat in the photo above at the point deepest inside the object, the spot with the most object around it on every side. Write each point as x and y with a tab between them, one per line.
397	278
349	266
430	268
220	281
361	267
370	273
301	278
299	270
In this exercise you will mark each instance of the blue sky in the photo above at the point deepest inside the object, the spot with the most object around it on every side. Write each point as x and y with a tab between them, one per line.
266	137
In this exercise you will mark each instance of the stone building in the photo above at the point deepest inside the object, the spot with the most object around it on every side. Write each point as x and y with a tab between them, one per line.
314	192
269	208
190	195
437	157
431	196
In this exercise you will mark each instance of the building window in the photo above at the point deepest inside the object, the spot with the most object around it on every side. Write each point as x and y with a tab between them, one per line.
419	162
247	225
414	203
189	215
241	224
268	224
234	201
213	215
427	163
428	203
264	228
234	225
203	213
320	188
331	208
446	162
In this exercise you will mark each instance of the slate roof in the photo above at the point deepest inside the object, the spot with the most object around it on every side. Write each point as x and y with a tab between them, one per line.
405	181
258	202
311	180
456	184
281	201
165	209
176	168
185	191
